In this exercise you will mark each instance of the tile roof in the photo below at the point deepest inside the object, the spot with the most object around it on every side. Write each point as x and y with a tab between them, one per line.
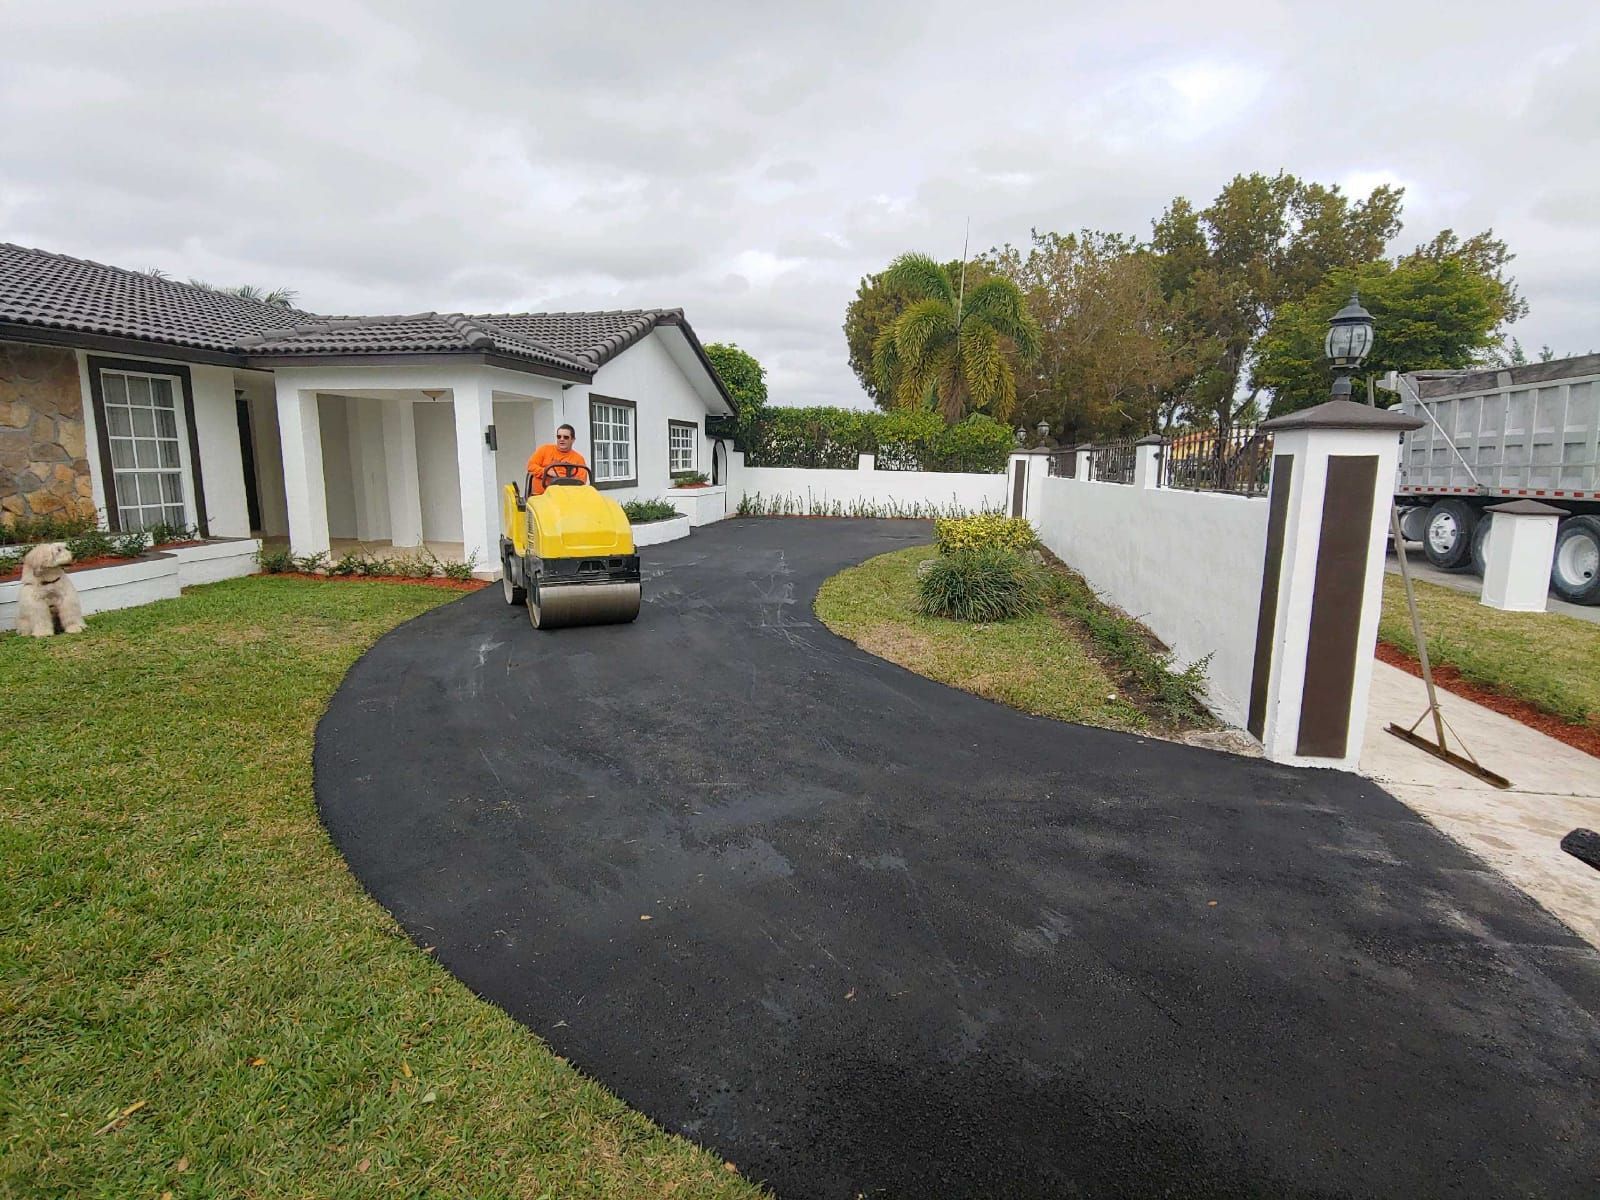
55	291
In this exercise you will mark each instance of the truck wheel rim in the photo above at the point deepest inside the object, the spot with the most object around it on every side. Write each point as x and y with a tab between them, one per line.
1443	533
1578	560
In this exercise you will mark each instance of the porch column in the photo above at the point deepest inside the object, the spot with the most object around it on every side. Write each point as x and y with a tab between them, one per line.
1333	470
400	464
480	516
300	433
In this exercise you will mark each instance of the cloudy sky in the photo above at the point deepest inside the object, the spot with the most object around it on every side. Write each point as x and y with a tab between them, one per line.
750	167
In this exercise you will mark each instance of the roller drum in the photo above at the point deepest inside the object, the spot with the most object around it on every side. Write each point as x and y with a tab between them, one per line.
583	604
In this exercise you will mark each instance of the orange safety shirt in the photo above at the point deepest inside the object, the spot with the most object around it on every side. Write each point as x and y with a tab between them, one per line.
552	453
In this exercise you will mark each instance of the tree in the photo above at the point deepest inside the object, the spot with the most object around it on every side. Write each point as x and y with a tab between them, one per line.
875	307
1432	309
1107	356
742	375
1226	269
950	344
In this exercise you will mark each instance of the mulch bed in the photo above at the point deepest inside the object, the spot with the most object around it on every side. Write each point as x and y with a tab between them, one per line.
438	581
1579	737
88	564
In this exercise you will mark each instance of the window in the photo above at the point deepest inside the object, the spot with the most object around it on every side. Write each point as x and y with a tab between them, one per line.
611	437
146	461
681	442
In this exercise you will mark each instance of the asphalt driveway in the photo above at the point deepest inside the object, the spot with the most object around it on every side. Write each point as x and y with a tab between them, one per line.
906	942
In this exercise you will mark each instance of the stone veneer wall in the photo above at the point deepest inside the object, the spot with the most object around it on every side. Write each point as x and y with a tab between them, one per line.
44	470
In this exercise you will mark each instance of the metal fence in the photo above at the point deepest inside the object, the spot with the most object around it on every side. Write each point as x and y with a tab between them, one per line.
1238	462
1063	465
1113	463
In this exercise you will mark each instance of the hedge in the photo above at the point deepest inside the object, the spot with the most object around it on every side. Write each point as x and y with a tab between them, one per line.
903	440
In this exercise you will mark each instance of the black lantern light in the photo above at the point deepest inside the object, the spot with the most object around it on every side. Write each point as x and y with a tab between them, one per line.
1044	431
1349	341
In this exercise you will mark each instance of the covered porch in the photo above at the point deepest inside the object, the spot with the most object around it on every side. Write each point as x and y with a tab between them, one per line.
391	459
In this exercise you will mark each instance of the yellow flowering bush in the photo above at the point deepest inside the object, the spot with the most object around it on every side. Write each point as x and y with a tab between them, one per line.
984	531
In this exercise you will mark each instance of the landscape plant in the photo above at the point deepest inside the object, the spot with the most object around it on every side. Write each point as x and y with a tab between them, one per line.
29	531
689	478
789	504
642	512
984	531
275	560
906	439
984	583
948	349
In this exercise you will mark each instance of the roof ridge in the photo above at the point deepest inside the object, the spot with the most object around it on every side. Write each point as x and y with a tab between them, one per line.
523	339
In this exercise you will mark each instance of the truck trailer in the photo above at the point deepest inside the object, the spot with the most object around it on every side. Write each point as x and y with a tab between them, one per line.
1488	436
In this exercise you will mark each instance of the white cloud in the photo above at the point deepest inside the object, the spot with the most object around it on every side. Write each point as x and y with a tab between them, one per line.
750	164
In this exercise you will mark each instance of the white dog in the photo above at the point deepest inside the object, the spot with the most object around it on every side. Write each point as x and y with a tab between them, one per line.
47	595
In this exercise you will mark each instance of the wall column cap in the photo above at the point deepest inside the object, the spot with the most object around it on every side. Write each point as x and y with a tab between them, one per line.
1153	439
1344	414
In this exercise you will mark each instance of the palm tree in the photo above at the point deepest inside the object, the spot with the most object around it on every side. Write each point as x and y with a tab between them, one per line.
948	345
278	297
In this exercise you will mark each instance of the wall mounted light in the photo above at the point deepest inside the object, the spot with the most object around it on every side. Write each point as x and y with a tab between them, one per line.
489	439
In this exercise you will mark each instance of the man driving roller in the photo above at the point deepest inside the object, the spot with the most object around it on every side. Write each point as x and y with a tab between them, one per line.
560	452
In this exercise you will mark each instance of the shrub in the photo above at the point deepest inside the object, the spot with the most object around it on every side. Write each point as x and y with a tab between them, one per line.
641	512
682	477
26	531
347	563
274	560
983	530
461	571
372	564
411	566
161	533
311	564
988	584
92	543
10	560
130	545
903	440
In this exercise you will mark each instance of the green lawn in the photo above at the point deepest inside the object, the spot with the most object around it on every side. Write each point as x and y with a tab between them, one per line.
1035	663
1551	661
180	943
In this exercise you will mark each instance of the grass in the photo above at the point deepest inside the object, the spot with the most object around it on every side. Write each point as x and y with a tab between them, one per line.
1550	661
1034	662
198	999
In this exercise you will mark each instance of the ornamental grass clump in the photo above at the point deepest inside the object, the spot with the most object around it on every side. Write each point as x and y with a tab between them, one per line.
980	585
641	512
985	531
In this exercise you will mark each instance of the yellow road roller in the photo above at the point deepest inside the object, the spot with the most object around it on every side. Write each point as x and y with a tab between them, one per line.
568	552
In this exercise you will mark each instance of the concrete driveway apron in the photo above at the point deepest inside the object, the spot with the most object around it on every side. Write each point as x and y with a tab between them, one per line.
906	942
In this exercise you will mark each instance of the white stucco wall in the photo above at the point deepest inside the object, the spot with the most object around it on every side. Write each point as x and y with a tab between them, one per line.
649	376
818	488
1187	564
336	466
438	474
216	422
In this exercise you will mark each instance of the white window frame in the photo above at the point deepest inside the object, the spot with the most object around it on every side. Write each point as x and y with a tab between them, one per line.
183	472
691	435
607	414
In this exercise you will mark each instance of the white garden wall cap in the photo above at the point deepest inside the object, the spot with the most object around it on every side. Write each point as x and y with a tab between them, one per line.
1083	446
1343	414
1526	508
1151	439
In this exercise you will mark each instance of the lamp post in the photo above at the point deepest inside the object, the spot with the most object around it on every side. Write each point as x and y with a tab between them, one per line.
1349	341
1044	431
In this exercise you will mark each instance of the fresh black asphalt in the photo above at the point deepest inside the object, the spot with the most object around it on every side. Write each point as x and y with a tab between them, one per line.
905	942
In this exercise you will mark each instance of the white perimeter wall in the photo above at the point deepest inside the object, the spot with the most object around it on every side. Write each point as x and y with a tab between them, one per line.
1186	564
943	488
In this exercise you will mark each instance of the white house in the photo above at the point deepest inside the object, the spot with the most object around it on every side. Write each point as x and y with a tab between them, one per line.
151	400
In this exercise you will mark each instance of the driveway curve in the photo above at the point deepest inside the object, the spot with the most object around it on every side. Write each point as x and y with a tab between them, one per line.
906	942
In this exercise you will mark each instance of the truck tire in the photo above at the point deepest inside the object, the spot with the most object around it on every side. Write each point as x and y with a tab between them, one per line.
1480	545
1448	540
1575	569
1414	523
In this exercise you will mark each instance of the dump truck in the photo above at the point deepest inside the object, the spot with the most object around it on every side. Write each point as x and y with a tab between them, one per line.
1488	436
567	553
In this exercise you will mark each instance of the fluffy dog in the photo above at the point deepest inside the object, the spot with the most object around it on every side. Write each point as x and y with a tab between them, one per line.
47	595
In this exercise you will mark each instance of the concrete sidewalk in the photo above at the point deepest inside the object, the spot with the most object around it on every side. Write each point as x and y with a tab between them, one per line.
1555	789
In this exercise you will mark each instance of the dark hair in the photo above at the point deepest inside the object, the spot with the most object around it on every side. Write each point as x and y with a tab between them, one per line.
569	429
